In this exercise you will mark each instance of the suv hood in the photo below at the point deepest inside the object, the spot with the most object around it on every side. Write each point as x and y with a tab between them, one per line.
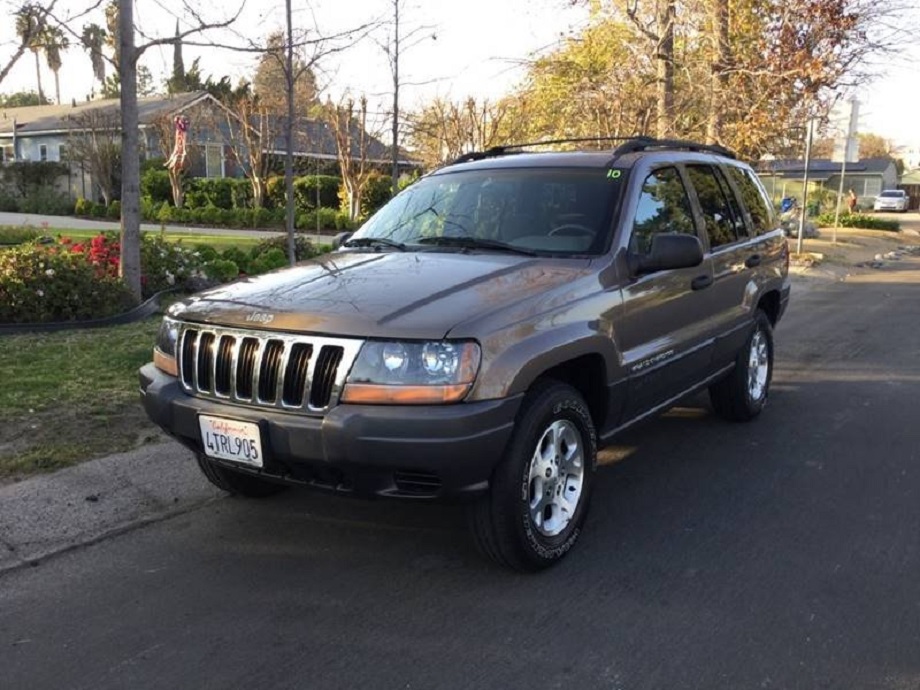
416	295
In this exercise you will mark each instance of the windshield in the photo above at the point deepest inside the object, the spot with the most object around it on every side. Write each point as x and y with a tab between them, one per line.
897	194
560	211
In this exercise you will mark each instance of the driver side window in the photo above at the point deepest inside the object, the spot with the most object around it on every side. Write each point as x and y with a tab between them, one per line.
663	207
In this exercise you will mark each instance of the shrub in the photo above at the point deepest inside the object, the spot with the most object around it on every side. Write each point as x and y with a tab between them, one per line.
343	222
82	207
305	192
274	192
48	201
17	234
205	252
45	283
222	270
239	257
259	217
155	185
303	248
98	211
241	191
859	220
114	210
8	202
268	261
204	192
165	264
376	193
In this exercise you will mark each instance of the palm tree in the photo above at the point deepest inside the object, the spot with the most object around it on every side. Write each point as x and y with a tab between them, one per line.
93	40
30	27
55	41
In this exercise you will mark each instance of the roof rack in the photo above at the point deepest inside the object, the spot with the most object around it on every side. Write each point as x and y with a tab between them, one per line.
630	145
643	143
510	148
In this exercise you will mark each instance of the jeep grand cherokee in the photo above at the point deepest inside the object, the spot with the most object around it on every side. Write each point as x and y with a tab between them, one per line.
483	333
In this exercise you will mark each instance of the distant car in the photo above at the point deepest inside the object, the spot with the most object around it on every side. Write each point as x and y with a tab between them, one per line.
892	200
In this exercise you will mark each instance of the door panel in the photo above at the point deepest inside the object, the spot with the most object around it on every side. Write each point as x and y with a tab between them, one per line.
665	332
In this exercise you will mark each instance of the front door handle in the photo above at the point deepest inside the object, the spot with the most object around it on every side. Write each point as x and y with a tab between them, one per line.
753	260
701	282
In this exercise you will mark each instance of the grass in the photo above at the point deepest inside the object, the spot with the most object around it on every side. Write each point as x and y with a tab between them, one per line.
219	242
71	396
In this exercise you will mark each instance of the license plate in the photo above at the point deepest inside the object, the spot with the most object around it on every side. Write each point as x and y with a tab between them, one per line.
229	439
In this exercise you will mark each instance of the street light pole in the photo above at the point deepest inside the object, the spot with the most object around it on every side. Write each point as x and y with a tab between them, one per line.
804	210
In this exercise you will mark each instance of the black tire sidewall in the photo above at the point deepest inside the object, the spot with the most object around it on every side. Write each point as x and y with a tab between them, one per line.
559	402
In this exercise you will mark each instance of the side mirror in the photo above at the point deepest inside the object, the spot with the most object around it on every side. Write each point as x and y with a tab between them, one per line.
668	252
341	239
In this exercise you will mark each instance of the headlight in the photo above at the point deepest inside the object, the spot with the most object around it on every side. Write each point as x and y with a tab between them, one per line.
164	351
412	373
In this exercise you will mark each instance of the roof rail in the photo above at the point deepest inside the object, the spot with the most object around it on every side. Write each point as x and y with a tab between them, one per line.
644	143
510	148
629	145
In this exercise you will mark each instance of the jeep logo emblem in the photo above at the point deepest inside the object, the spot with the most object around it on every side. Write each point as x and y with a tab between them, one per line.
260	317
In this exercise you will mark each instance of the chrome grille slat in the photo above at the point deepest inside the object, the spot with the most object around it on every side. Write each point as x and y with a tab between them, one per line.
264	368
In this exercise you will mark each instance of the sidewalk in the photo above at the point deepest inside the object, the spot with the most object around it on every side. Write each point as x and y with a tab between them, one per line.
53	513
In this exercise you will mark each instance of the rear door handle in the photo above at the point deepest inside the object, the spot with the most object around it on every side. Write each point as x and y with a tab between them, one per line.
753	260
701	282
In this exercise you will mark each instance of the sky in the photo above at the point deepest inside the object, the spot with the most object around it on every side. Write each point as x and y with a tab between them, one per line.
460	48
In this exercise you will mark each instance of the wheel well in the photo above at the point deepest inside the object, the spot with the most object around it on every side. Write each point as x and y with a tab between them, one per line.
588	375
769	303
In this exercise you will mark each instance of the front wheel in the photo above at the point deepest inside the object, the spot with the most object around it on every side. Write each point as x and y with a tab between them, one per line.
743	393
540	491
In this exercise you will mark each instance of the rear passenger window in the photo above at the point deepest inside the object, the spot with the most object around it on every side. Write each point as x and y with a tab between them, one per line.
755	199
663	207
724	224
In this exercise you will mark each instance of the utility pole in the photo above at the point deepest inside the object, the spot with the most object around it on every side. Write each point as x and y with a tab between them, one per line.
804	209
395	188
289	133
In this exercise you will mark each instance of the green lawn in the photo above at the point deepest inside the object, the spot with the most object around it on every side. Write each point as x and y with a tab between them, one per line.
219	242
71	396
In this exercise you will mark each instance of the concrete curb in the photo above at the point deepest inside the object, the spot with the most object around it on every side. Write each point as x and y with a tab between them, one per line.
52	514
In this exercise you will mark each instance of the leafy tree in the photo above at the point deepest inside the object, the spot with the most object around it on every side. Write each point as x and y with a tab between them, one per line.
30	28
270	80
22	98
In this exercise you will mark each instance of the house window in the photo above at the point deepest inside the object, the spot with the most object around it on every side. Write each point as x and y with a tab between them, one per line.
6	153
43	152
62	152
214	161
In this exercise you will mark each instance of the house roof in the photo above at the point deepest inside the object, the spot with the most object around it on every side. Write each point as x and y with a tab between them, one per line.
45	119
822	168
911	178
318	138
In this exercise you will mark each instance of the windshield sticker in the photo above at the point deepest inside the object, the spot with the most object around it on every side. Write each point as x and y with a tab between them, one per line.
614	174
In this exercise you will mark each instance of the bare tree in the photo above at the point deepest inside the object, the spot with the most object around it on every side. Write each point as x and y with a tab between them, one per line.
351	138
249	129
444	129
95	142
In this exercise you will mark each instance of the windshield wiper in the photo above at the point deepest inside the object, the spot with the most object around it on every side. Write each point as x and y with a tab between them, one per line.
475	243
374	242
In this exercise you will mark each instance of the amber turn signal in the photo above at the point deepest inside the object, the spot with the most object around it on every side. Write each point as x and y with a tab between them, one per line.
378	394
165	363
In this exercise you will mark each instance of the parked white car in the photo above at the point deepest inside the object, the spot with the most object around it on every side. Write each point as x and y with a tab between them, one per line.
892	200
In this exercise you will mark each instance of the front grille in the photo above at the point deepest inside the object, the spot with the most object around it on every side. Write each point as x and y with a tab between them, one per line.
265	369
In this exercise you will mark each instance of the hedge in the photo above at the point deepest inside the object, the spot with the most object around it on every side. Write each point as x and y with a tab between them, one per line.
859	220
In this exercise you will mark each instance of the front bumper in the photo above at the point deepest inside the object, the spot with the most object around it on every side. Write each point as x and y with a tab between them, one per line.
421	452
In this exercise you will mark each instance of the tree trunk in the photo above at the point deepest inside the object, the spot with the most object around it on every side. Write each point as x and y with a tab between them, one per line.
258	191
57	87
665	67
289	138
38	78
175	183
130	157
720	61
395	172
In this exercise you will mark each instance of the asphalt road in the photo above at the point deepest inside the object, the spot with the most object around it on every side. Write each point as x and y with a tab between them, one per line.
779	554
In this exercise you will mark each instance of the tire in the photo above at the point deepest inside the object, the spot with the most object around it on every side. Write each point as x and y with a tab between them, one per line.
741	395
237	483
509	525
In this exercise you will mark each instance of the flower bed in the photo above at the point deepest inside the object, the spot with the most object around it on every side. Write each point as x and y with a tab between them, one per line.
73	281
